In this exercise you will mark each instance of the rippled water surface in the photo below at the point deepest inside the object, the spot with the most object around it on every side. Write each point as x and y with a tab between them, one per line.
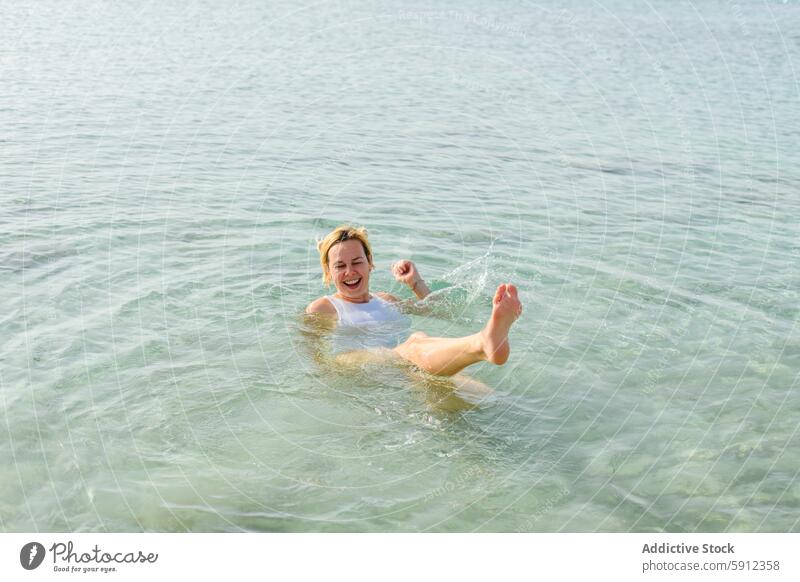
167	167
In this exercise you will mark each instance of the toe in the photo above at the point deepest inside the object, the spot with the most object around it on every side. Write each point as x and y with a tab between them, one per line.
500	293
512	290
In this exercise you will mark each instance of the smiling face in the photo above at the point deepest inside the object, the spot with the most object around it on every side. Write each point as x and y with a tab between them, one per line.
349	269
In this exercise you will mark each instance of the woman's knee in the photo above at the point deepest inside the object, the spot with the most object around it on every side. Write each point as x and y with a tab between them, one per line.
410	349
412	344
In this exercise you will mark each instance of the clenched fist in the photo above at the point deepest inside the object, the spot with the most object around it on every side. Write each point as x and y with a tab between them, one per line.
406	272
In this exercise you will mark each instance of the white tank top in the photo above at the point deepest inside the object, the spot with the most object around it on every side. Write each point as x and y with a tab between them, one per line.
374	311
362	326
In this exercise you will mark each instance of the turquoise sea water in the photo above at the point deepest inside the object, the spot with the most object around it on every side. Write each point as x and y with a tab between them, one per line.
166	170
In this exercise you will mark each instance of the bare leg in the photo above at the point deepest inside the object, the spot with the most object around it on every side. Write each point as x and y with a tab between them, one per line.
361	358
469	389
443	356
449	393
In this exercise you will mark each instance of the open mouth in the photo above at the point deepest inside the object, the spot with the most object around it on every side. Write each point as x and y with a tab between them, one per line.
352	283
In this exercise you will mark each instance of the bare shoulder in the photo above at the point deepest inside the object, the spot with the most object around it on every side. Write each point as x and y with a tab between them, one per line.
321	305
387	296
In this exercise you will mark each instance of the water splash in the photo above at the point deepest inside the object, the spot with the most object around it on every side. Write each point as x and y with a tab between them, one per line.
462	287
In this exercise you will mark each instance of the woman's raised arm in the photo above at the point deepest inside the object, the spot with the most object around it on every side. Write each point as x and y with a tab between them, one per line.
406	272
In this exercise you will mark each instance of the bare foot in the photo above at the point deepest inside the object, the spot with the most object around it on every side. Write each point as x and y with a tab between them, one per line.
505	310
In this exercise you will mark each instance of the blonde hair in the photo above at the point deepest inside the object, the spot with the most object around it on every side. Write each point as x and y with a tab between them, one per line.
337	235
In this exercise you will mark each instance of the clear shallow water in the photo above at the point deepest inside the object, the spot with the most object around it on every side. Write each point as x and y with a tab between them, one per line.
166	170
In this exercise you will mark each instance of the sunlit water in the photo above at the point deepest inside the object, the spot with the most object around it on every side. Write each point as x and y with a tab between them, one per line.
167	167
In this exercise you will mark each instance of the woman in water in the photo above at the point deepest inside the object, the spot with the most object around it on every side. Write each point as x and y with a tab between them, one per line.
346	259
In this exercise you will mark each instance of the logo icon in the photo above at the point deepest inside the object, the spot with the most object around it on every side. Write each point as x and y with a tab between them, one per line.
31	555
